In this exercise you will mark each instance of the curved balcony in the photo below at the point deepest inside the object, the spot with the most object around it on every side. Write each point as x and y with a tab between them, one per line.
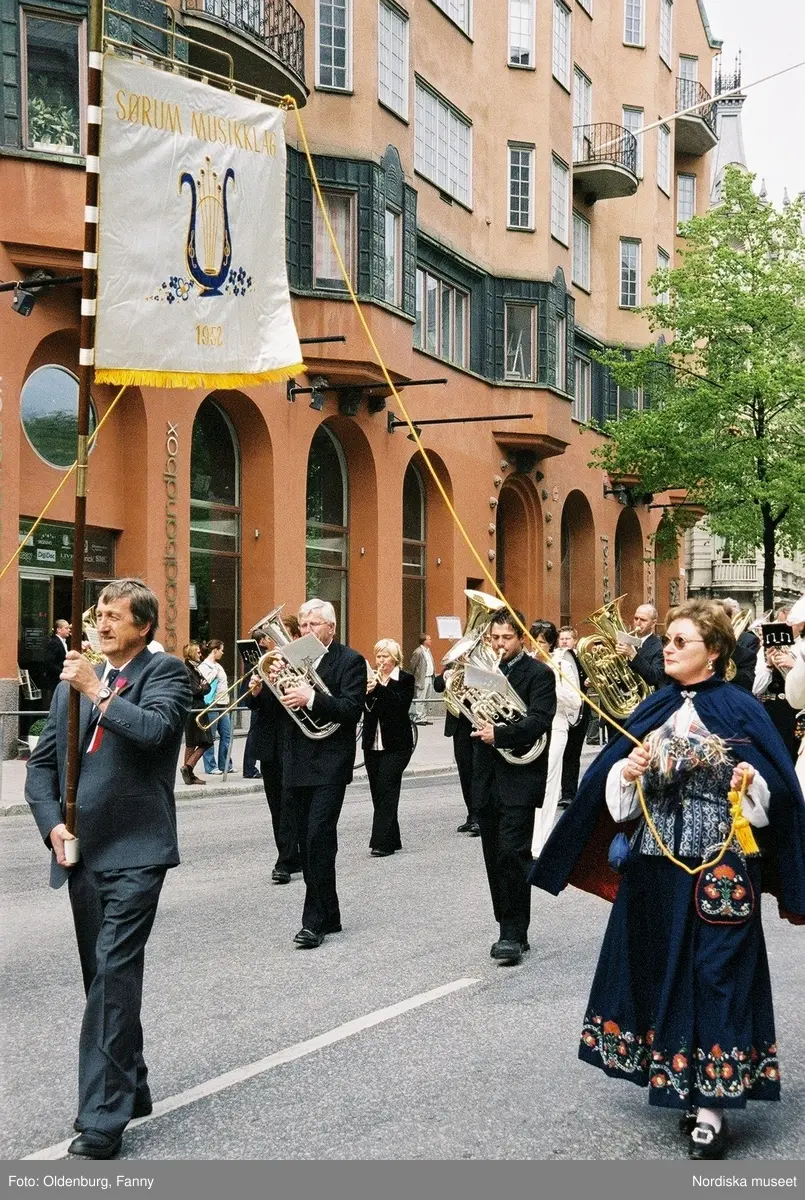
604	161
265	38
695	133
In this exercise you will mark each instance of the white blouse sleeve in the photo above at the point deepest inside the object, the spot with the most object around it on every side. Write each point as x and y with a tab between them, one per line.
756	803
795	681
622	799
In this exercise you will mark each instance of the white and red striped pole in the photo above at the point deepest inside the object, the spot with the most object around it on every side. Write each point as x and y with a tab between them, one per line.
86	361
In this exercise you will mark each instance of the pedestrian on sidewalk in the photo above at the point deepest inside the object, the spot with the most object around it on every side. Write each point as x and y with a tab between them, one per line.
133	707
218	695
423	671
388	743
197	740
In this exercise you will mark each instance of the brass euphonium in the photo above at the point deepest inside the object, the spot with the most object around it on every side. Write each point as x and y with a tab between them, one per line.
291	676
740	623
619	688
478	705
89	624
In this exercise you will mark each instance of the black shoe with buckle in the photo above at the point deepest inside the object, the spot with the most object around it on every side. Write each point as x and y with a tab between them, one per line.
705	1143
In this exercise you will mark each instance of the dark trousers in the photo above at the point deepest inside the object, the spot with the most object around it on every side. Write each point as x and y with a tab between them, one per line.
462	752
283	819
506	833
317	810
571	761
113	912
384	769
249	756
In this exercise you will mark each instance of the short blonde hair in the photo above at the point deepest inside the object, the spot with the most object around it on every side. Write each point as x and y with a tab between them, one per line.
389	646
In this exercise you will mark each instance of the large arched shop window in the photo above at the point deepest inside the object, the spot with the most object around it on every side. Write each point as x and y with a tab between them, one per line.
215	530
327	544
413	572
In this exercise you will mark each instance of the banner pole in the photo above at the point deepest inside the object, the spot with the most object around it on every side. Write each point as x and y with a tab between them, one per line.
86	358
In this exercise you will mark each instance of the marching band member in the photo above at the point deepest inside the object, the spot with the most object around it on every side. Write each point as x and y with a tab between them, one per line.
266	733
388	742
458	727
506	795
568	706
646	659
681	1002
316	771
577	730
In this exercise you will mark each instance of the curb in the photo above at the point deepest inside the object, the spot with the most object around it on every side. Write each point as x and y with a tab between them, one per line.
234	791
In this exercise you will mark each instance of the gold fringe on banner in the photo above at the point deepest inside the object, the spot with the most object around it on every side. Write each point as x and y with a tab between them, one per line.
180	379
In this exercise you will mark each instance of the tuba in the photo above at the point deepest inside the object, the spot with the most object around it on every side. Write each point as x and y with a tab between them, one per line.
619	688
291	676
476	704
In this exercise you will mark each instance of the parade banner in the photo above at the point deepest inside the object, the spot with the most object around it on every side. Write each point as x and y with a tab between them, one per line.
192	285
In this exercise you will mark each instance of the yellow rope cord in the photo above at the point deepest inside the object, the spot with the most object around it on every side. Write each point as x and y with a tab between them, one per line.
56	491
705	866
290	102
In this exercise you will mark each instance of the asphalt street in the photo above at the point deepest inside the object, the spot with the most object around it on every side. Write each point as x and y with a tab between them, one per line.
432	1050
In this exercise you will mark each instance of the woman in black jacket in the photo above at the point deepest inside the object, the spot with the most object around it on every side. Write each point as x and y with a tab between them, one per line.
388	742
196	740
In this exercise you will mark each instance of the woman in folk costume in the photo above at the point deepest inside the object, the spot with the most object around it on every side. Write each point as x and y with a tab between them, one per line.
681	1000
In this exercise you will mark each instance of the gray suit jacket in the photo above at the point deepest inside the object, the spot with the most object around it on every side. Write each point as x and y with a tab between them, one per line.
126	811
418	667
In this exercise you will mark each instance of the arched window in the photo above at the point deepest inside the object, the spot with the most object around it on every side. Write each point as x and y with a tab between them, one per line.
215	530
413	565
327	545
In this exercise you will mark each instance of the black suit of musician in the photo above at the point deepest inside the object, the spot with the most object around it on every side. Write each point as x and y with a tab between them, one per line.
316	771
646	660
506	795
266	734
460	730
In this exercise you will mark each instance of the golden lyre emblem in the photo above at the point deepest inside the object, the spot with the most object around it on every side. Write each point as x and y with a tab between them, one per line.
208	247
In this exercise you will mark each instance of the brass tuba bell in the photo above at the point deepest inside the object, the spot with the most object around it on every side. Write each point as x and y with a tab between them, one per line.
619	688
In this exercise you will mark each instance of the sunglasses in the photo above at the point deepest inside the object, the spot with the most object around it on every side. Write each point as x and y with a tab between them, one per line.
680	642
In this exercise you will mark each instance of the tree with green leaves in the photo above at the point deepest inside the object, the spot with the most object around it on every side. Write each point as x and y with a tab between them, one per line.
724	392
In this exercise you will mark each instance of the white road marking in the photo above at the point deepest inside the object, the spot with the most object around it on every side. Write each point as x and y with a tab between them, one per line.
290	1054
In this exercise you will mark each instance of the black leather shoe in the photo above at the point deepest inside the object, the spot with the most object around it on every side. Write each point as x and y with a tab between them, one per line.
143	1107
308	939
465	828
507	950
380	853
705	1143
687	1124
280	875
93	1143
474	829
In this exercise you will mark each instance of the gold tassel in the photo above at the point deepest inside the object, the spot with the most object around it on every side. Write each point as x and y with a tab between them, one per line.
742	829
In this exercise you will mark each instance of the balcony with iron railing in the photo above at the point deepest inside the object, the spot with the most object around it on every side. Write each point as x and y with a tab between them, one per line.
696	132
265	38
604	161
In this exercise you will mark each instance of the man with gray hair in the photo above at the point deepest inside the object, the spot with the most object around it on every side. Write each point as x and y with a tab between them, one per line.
133	708
316	771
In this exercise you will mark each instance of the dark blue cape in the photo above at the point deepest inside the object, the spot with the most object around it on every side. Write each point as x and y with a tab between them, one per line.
576	850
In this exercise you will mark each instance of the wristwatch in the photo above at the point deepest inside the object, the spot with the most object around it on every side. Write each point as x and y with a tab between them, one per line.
104	693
